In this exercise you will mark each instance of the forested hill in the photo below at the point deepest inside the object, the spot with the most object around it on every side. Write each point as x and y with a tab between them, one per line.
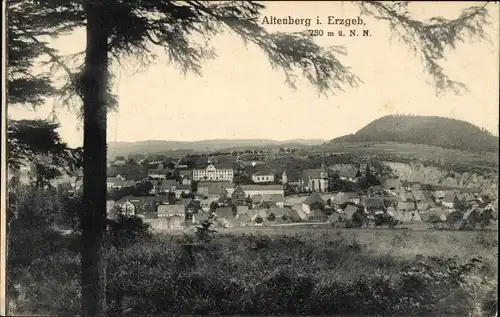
435	131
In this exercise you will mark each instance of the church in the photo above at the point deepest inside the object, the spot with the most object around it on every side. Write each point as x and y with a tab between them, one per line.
315	179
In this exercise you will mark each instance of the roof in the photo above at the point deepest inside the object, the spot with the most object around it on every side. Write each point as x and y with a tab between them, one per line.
418	194
129	198
182	187
392	183
449	197
348	172
406	196
201	216
262	187
316	214
349	210
215	188
406	205
373	202
170	210
300	213
278	212
264	172
224	212
120	182
314	173
218	165
159	171
268	198
343	197
314	198
168	182
188	173
293	214
375	188
424	206
335	217
242	210
262	213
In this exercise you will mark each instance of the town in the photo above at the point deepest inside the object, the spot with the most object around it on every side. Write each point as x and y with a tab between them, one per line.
241	190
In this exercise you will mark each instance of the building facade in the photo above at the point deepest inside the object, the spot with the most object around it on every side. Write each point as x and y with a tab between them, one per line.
213	173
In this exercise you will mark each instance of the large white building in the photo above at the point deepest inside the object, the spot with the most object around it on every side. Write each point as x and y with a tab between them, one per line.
214	172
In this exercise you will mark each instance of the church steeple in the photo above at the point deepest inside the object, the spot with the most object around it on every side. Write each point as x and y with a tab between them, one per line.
284	178
324	169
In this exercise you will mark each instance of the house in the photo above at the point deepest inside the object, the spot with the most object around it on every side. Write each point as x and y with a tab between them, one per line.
392	185
167	211
346	197
277	200
450	199
350	174
160	172
205	204
438	212
238	197
468	198
118	182
349	211
186	176
262	213
242	210
293	215
373	204
120	161
130	205
418	195
181	190
407	206
425	205
243	220
252	190
317	215
409	216
335	217
176	222
214	190
376	189
110	209
263	176
190	205
201	217
406	196
214	172
315	180
162	185
298	209
224	213
312	202
278	212
416	186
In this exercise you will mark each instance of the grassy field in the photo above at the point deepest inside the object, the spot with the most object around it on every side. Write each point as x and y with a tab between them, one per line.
322	271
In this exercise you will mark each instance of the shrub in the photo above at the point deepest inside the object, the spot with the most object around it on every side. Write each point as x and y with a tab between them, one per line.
271	217
127	230
259	220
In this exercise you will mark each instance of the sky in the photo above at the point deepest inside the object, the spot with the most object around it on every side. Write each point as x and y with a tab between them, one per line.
240	96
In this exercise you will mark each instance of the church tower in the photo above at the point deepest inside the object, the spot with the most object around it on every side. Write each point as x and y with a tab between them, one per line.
323	182
284	178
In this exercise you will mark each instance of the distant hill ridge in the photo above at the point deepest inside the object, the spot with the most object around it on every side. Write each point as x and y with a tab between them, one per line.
158	146
427	130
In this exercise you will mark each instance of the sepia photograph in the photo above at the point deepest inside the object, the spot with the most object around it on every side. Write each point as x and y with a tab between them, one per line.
249	158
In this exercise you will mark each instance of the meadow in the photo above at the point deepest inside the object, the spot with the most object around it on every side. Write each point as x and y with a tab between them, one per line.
324	271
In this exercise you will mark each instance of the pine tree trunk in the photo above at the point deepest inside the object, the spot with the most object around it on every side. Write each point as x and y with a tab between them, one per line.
93	257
